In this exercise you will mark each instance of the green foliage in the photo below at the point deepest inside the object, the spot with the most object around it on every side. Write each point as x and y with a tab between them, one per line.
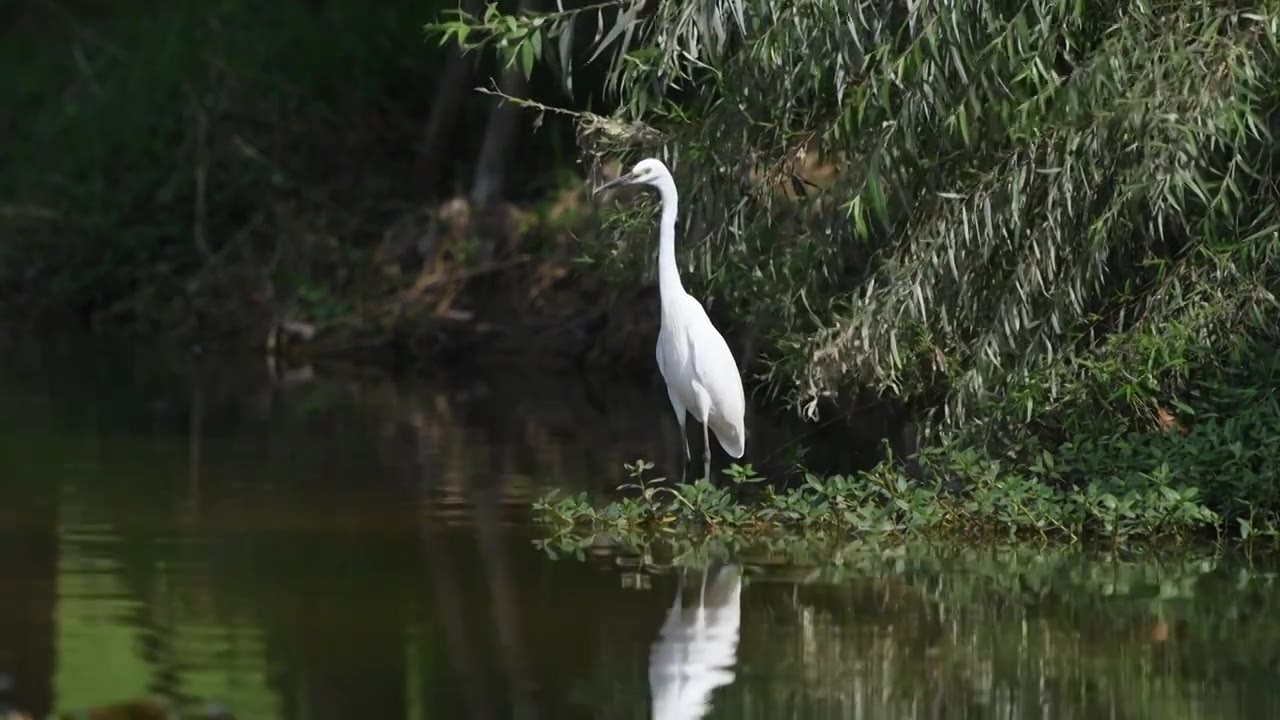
998	186
1060	217
1077	481
143	134
969	496
519	40
1077	477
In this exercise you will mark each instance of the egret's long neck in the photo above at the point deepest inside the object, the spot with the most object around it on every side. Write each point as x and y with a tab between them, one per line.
668	273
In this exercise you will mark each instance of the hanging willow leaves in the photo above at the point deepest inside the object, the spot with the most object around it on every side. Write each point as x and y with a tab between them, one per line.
993	188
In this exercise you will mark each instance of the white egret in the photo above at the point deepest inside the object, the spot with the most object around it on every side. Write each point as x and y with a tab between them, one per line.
694	359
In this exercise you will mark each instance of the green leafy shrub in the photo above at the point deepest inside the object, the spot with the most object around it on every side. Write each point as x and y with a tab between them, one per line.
945	195
148	142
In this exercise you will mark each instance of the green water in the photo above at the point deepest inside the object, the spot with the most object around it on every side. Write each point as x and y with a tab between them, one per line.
345	546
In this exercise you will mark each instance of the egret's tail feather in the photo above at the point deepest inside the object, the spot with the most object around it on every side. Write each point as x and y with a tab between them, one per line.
731	436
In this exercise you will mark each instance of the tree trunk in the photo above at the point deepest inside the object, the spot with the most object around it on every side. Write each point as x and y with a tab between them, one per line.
438	132
491	168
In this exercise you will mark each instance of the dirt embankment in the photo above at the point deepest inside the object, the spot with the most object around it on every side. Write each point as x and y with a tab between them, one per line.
448	284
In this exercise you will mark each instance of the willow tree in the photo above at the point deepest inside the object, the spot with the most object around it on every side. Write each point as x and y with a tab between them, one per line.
949	195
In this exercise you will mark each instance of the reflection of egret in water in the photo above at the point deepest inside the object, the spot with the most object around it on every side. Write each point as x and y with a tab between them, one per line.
697	647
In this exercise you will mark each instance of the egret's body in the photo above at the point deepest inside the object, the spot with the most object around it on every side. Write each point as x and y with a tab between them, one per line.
696	364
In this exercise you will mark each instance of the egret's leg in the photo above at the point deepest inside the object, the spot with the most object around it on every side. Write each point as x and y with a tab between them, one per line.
681	414
684	466
702	411
706	446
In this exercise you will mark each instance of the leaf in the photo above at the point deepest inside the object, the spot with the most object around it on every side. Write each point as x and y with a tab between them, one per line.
876	195
625	19
526	58
535	37
860	222
565	50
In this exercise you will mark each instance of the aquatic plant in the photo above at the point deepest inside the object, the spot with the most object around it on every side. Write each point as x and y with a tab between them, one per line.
994	501
1207	469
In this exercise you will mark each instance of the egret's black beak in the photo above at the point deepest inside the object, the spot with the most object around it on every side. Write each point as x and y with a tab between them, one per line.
626	179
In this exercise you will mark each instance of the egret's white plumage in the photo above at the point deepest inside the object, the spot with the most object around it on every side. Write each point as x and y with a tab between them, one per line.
700	372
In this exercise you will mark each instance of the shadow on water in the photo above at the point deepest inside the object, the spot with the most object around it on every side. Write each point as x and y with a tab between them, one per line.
347	546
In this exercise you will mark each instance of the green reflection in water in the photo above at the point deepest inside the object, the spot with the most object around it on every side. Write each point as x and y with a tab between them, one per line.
356	549
128	631
92	612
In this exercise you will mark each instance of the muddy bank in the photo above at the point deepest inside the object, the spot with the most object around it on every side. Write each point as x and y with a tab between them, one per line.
444	289
499	288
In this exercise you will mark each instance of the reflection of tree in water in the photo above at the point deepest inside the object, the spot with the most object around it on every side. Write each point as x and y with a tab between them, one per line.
292	489
309	542
304	488
989	641
28	566
528	436
508	687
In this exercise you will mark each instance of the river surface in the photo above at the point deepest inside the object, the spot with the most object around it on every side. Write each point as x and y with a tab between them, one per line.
342	545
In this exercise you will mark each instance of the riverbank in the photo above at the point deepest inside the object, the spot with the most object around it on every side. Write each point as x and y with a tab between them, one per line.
219	175
1204	471
1107	373
1083	472
204	514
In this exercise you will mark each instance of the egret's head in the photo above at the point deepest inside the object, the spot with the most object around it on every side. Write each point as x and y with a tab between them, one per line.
649	171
